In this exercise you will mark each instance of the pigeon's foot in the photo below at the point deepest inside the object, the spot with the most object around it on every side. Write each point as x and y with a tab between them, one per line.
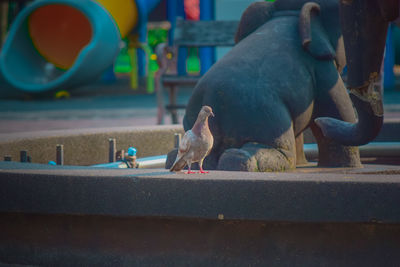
189	172
201	169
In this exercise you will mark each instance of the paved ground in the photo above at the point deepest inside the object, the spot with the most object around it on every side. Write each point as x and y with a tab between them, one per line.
101	106
88	107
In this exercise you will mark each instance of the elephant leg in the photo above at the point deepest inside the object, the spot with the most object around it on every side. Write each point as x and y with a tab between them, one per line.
333	154
335	103
300	156
258	157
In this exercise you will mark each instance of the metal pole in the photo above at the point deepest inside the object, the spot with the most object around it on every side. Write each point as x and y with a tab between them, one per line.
182	51
122	155
23	156
206	53
60	155
177	140
171	16
112	150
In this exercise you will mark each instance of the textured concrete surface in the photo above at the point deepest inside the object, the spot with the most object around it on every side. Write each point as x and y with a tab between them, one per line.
93	107
89	146
326	195
44	240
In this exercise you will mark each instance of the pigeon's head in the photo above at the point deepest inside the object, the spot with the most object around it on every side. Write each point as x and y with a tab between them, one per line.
205	112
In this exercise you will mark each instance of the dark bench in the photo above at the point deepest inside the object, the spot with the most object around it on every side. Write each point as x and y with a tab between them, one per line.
186	34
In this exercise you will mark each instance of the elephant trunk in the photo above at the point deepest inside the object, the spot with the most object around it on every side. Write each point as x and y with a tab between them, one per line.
370	119
364	32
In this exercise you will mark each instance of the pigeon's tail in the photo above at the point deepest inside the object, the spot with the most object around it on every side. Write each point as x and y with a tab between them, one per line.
178	165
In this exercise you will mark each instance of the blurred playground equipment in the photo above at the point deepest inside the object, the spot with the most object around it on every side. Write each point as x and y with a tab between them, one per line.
190	34
59	44
127	61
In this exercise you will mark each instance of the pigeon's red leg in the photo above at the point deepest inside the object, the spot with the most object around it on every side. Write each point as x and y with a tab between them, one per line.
201	167
202	171
189	171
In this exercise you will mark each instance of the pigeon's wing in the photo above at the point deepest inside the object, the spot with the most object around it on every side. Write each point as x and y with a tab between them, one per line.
211	143
184	148
185	143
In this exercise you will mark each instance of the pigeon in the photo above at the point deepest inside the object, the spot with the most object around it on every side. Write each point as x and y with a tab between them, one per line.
196	144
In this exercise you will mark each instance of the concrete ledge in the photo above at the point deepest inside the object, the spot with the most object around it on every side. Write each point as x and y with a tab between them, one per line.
82	216
44	240
89	146
346	195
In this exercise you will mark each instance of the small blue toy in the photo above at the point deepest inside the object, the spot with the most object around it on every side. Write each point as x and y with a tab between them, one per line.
132	151
130	157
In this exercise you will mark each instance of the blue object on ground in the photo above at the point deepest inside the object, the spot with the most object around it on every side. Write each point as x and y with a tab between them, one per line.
132	151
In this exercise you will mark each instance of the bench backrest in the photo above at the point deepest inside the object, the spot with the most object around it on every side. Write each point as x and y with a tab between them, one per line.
205	33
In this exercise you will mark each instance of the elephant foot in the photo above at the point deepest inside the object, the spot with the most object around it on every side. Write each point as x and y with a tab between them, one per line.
333	154
235	159
253	157
339	156
300	156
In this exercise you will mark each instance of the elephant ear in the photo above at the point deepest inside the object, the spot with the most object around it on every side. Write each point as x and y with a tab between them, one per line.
314	38
255	15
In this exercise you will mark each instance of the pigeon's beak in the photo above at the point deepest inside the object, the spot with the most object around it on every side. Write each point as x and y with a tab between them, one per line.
212	114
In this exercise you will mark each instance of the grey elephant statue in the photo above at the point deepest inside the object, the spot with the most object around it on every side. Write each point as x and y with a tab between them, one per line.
281	75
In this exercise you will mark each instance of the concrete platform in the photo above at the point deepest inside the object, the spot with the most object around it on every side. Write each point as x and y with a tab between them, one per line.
325	195
89	146
81	216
